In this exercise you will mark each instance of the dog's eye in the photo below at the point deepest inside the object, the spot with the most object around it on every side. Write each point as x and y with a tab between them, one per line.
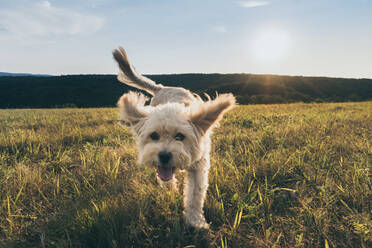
179	137
154	136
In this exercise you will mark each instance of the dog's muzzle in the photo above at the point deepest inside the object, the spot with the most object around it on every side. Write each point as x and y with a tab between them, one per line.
165	170
165	157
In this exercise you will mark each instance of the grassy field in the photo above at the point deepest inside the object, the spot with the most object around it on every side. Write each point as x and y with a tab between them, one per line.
296	175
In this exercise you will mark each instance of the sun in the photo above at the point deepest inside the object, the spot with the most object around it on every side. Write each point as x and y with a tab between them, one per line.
270	45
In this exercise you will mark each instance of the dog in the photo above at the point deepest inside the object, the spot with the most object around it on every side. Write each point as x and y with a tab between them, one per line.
172	132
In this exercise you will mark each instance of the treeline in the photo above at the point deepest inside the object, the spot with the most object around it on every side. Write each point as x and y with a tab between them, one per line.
104	90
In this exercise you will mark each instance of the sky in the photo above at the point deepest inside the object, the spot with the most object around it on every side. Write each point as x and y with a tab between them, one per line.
288	37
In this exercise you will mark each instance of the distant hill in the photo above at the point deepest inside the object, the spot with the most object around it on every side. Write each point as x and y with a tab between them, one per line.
104	90
8	74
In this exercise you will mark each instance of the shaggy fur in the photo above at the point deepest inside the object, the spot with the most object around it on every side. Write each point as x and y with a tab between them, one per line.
173	132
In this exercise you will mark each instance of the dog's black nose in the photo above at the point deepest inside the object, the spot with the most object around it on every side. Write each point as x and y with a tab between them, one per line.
164	157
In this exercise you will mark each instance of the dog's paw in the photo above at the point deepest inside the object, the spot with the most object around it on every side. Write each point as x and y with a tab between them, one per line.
202	225
196	220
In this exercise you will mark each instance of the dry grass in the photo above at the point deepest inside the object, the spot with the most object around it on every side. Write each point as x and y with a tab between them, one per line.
294	175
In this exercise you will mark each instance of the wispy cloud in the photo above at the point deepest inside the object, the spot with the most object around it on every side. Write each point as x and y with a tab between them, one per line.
219	29
43	19
252	4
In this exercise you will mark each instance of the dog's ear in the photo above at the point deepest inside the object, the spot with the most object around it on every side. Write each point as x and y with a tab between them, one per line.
132	107
210	112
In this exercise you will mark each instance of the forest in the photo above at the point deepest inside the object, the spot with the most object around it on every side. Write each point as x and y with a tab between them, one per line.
103	90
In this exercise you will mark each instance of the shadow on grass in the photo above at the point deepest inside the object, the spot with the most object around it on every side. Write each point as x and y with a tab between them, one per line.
136	224
117	221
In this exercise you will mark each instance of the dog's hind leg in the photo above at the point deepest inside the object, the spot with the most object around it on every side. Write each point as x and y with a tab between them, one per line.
194	194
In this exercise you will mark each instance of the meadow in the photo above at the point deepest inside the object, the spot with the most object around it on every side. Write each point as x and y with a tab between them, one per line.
290	175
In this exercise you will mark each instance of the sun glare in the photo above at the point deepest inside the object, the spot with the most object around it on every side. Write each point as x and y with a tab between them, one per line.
270	45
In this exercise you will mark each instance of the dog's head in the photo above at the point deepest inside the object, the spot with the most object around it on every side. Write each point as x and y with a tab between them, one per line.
171	136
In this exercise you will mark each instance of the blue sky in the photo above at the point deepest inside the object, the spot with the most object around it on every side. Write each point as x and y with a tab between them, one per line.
289	37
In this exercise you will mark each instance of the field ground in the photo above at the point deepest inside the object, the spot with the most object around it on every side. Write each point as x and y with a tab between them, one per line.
296	175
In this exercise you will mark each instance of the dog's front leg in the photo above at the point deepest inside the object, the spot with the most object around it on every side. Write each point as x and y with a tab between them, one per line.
194	193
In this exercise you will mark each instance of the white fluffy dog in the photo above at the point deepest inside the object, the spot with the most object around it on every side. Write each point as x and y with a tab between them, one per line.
173	132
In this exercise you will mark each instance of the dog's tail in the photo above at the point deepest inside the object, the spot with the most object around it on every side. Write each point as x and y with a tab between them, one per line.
130	77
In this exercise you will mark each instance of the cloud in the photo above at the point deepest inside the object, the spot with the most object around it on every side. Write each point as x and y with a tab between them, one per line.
43	19
252	4
97	3
219	29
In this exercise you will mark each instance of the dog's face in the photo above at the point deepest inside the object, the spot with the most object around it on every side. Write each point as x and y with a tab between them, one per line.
171	136
168	141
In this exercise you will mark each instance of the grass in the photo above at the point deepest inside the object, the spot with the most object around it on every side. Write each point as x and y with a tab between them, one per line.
294	175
